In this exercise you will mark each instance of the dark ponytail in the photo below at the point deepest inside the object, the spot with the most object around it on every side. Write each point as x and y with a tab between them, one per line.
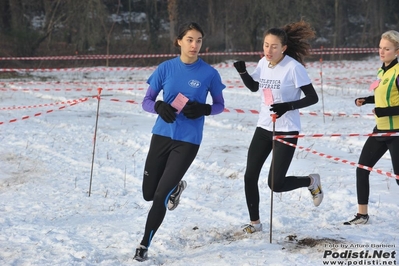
295	36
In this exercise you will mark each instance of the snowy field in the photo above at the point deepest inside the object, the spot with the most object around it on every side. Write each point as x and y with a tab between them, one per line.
47	130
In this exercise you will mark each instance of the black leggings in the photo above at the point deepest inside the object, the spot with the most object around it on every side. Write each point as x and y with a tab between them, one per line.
167	162
259	149
373	150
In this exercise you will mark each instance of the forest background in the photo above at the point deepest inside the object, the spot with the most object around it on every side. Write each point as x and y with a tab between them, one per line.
34	28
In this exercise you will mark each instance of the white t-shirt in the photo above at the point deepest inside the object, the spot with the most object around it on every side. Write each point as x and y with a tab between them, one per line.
277	85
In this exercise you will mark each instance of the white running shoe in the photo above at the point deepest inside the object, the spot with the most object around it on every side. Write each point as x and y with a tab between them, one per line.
175	197
359	219
251	228
315	189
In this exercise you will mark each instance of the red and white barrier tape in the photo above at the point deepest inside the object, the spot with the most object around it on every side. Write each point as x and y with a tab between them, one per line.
82	69
132	69
126	101
42	105
243	111
71	102
352	49
226	110
48	111
87	57
259	53
236	84
70	89
89	83
341	160
113	100
388	134
278	138
331	65
240	111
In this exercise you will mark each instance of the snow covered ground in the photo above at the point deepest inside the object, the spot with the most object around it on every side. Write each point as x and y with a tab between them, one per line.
46	151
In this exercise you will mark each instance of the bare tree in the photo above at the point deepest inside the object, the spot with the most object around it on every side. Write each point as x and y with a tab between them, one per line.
230	25
153	24
173	17
82	22
108	32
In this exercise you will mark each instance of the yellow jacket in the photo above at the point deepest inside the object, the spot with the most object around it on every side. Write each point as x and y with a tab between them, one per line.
386	96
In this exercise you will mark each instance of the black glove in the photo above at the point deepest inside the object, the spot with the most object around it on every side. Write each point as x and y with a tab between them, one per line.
165	111
240	66
281	108
195	110
369	99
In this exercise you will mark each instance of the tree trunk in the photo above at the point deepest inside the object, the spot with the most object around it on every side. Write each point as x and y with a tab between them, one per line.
173	18
337	30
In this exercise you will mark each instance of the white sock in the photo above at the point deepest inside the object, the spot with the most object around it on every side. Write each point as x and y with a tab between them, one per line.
311	182
257	226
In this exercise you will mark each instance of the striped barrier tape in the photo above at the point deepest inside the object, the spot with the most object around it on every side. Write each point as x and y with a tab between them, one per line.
316	51
132	69
91	83
226	110
243	111
278	138
69	89
71	102
42	105
386	134
381	172
48	111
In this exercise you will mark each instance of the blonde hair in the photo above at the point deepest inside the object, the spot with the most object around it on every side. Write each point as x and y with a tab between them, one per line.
392	36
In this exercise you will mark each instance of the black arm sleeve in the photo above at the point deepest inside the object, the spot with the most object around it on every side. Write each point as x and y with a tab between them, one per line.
387	111
309	99
369	99
249	82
